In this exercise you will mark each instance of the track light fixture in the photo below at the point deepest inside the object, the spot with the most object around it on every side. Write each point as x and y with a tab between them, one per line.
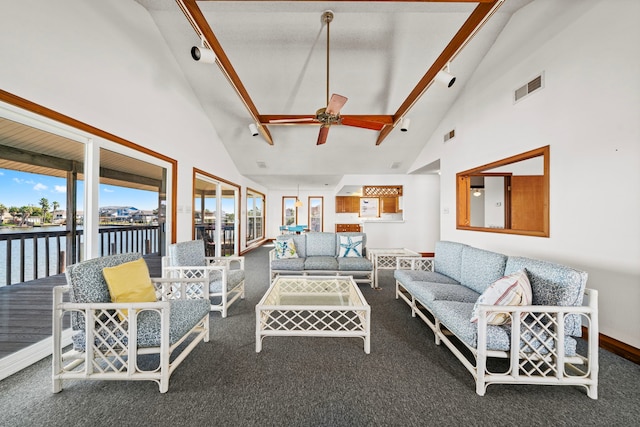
203	54
404	126
253	129
445	78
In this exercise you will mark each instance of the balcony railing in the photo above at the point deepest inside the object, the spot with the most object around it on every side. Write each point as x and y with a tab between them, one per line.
34	254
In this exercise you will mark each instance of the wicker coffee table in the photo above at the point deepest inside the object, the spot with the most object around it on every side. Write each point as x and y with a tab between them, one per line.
319	306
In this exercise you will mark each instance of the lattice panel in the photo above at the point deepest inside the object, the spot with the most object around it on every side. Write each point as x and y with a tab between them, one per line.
313	320
382	191
539	345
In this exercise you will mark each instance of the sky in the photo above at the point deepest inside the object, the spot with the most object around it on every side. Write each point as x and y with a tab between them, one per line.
24	189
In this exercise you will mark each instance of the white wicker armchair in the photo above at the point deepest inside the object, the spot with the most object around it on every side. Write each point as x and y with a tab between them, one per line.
122	336
225	275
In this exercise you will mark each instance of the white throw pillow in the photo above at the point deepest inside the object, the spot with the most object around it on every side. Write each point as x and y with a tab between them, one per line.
350	246
285	249
513	289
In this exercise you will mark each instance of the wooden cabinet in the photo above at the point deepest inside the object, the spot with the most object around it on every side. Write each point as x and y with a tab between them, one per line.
348	227
389	204
347	204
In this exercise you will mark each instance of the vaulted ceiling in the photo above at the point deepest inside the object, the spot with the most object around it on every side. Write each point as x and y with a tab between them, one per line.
272	61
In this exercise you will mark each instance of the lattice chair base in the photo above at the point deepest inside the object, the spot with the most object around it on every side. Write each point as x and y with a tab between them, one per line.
124	333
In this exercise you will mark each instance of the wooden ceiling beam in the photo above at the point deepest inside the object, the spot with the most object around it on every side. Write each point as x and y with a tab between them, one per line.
199	23
474	22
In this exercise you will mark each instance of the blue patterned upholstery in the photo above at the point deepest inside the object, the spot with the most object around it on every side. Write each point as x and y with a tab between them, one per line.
189	253
407	276
320	263
234	277
455	316
481	268
321	244
291	264
183	315
354	264
553	284
448	259
427	292
88	284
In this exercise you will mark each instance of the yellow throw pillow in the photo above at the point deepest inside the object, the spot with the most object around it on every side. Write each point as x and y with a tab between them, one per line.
130	282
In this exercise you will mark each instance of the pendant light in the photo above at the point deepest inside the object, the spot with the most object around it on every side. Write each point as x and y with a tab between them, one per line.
298	203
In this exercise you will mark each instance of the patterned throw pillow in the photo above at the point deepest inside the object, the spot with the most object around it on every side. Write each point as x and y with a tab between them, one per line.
285	249
350	246
514	289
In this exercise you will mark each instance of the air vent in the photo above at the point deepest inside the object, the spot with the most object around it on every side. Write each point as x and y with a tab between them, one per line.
535	84
261	165
395	165
449	135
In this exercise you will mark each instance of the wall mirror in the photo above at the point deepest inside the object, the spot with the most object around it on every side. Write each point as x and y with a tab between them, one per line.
507	196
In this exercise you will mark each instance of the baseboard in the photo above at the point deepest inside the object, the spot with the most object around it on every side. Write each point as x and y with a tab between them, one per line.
28	356
616	347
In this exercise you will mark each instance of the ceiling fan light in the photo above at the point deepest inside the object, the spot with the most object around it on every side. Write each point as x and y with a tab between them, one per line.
445	78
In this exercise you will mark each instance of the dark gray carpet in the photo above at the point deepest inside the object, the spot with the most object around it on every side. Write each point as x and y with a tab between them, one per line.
406	380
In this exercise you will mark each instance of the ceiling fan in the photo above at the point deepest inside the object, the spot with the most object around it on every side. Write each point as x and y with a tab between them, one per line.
330	115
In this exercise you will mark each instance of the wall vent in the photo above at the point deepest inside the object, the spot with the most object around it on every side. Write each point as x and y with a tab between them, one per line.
449	135
394	165
261	165
535	84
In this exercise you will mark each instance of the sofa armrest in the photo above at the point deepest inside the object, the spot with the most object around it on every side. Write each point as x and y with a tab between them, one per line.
171	288
226	261
414	263
538	332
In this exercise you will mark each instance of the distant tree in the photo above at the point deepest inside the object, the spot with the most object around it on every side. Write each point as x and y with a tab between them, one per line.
3	209
44	204
56	205
14	210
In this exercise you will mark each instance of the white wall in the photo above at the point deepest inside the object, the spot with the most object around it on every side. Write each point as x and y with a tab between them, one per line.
105	63
588	113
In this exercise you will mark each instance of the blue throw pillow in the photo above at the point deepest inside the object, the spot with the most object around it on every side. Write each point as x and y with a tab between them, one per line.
350	246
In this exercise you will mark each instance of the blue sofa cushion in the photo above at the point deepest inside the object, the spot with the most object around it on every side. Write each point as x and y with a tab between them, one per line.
299	240
448	259
553	284
407	276
480	268
427	292
184	315
354	264
321	244
234	277
455	316
320	263
294	264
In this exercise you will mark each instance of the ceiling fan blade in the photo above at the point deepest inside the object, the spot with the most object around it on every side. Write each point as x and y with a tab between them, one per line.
360	123
294	119
336	103
322	136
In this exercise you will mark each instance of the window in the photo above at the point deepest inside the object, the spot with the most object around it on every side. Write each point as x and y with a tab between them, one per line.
255	215
289	211
316	213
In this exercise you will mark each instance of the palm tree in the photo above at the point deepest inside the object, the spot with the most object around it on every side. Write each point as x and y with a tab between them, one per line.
3	209
44	204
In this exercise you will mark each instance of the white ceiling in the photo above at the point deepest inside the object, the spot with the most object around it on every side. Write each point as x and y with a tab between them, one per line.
379	52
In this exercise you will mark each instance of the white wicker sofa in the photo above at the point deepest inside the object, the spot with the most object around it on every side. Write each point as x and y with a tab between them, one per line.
318	253
538	341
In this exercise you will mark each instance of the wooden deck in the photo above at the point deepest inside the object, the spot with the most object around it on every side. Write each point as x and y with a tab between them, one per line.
26	309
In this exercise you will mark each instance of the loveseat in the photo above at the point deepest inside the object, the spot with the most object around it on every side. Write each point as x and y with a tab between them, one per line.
322	253
527	312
